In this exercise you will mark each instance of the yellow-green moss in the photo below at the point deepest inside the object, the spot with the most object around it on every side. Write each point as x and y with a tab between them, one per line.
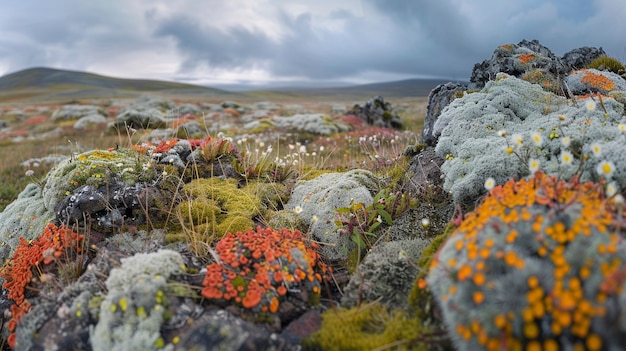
368	327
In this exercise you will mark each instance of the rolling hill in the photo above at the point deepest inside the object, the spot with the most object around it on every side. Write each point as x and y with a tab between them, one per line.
49	84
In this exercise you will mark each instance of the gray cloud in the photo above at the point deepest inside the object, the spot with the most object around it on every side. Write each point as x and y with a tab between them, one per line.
296	39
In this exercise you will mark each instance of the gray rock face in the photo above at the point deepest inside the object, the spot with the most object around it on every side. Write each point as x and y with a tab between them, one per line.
438	98
581	57
377	112
110	207
89	120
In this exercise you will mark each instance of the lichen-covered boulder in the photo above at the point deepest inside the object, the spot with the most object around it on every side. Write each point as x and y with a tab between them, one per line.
134	308
71	112
317	200
386	274
377	112
539	264
89	120
315	123
516	60
526	129
585	81
140	119
26	217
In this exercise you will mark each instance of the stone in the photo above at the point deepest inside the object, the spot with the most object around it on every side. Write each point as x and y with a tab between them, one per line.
70	112
438	98
89	120
581	57
377	112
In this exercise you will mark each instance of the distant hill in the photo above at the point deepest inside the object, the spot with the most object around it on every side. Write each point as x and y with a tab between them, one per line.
401	88
49	83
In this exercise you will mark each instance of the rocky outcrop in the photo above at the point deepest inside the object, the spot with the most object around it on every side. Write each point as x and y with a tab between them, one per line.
377	112
438	99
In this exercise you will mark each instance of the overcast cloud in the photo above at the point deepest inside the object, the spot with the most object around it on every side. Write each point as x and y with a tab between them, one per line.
214	42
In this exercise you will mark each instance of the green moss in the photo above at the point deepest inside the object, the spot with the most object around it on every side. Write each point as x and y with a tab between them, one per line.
368	327
286	219
214	207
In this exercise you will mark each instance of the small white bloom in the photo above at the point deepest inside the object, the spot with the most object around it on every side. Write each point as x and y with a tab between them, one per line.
619	199
502	133
379	219
596	148
590	105
611	189
605	168
302	149
533	165
622	127
517	139
425	222
30	173
537	139
314	219
566	157
298	209
566	141
164	173
490	183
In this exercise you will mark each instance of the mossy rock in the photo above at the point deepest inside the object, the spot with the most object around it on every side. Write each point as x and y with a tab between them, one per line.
607	63
95	168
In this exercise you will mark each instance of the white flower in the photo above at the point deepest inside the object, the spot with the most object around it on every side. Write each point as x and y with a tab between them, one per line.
622	127
303	149
596	148
537	139
517	139
611	189
30	173
379	219
590	105
490	183
533	165
425	222
566	157
314	219
502	133
298	209
605	168
566	141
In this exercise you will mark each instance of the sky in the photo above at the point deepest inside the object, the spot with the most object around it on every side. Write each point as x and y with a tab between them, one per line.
294	42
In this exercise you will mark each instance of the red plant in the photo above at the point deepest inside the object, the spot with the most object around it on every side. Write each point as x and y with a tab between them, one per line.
259	267
18	273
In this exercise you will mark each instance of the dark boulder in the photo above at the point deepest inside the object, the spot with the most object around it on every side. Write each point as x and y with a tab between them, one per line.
377	112
438	98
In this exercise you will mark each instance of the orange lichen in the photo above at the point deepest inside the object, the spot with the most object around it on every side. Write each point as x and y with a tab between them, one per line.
29	258
596	80
560	239
526	58
257	266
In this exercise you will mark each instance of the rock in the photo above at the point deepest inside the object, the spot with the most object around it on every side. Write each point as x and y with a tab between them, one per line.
519	122
89	120
317	200
140	119
438	98
386	274
377	112
69	112
316	123
186	109
190	130
220	330
585	81
338	109
517	60
108	207
266	105
302	327
581	57
148	102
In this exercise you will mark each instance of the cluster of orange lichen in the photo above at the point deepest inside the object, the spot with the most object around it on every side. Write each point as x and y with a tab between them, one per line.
526	58
18	273
259	267
596	80
536	266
